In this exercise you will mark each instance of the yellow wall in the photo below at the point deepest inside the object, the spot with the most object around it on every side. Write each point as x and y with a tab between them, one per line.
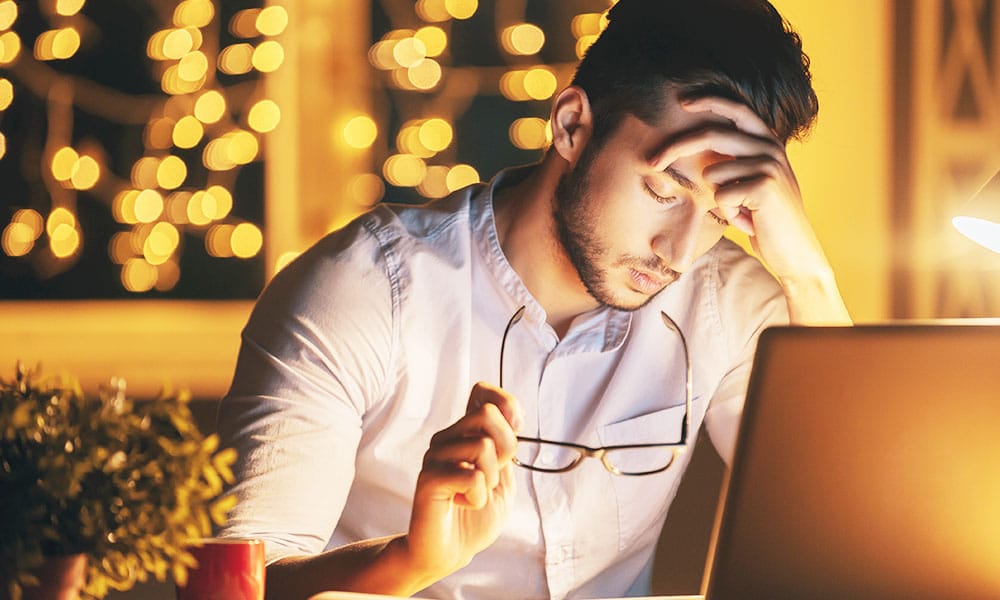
843	167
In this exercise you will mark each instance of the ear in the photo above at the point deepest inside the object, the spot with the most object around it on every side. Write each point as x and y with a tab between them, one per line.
572	123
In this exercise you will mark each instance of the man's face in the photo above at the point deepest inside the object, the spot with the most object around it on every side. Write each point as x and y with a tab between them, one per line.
630	230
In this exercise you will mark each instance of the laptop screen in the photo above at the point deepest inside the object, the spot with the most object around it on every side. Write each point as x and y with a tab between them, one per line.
867	466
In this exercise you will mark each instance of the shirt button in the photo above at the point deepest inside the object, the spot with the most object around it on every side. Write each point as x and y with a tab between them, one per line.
546	457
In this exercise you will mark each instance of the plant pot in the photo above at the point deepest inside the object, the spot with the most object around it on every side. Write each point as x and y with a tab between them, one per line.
60	578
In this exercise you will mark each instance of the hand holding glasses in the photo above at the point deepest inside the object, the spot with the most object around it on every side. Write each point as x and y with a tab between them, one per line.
549	456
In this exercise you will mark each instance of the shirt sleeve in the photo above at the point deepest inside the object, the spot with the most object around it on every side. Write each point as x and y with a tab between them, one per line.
315	355
749	301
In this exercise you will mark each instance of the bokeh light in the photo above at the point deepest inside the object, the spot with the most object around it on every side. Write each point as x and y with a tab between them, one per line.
264	116
360	132
268	56
522	39
272	20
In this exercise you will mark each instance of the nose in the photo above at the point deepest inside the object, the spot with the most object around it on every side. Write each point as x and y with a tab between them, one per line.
679	244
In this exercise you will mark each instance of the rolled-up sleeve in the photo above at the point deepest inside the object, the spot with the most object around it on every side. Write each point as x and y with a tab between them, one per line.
315	355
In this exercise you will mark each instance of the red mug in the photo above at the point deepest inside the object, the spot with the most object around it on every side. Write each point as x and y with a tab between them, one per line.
228	569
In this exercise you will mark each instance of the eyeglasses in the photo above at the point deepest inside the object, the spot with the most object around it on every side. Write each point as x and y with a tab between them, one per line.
548	456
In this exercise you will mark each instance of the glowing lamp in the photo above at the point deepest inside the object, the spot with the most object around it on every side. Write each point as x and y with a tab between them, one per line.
980	217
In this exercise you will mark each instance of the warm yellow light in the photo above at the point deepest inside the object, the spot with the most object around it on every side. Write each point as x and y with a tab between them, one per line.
400	79
216	202
244	23
64	240
120	248
522	39
32	219
59	216
409	52
530	133
242	148
158	133
68	8
435	184
380	55
160	244
236	59
210	107
175	207
123	206
360	132
57	44
10	47
138	275
8	14
171	173
540	83
175	85
3	145
167	276
193	66
65	43
586	24
435	134
461	176
144	171
264	116
365	189
148	206
424	75
983	232
583	44
17	239
434	38
177	44
408	140
187	132
194	13
404	170
216	155
63	162
272	20
461	9
433	11
86	173
247	240
268	56
512	85
196	37
6	93
284	260
196	210
217	240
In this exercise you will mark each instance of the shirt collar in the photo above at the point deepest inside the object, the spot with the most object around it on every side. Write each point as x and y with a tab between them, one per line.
603	329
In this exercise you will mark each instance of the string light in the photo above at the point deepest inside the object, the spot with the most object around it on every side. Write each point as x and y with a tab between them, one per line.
168	196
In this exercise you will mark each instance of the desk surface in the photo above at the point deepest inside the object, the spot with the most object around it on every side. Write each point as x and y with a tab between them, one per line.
355	596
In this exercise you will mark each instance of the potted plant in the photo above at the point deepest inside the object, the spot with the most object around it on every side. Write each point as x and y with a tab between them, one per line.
124	485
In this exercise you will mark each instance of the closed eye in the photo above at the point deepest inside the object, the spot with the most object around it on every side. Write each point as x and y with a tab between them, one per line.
720	220
659	198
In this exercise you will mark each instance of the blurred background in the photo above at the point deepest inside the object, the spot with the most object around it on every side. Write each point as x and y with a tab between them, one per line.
160	160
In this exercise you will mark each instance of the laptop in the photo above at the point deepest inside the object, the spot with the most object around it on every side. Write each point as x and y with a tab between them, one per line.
867	466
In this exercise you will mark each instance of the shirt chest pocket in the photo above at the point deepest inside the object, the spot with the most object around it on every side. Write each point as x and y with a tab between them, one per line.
642	500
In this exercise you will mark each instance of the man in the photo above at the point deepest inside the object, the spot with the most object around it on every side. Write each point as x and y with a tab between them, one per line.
367	464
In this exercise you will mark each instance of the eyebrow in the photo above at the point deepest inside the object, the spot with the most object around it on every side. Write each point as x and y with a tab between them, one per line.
681	180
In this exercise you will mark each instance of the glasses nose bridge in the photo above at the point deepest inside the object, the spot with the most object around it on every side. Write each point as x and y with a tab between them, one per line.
602	454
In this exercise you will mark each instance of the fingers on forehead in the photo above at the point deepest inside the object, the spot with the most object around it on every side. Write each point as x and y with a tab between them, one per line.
740	114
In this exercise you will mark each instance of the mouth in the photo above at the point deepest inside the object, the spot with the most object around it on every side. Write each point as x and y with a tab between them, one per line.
647	282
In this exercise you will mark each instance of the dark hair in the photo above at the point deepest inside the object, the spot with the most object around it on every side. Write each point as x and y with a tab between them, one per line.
742	50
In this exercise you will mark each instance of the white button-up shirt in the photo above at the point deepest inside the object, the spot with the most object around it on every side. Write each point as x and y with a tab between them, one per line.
369	343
